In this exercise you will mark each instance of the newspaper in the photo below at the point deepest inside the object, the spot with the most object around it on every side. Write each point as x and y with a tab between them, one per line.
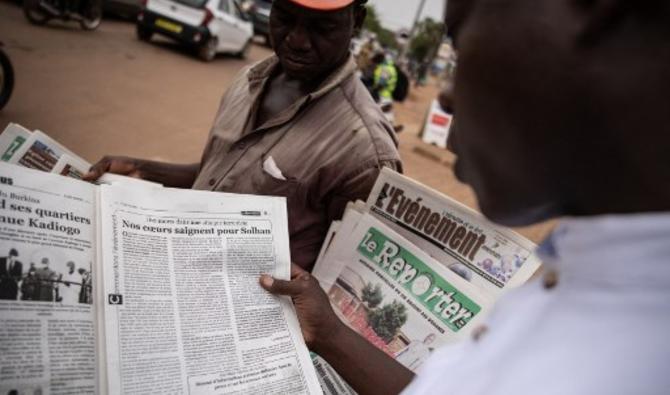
411	270
47	253
397	297
36	150
115	289
493	258
13	139
331	382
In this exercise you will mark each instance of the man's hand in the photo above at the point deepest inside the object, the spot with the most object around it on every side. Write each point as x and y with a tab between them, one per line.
366	368
115	164
317	318
168	174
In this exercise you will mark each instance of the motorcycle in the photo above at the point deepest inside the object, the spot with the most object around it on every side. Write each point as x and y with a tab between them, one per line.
87	12
6	78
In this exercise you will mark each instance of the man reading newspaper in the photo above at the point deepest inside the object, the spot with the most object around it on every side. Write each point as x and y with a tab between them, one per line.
562	110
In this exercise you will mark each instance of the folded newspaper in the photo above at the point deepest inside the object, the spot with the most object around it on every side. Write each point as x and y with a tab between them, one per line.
36	150
120	289
411	270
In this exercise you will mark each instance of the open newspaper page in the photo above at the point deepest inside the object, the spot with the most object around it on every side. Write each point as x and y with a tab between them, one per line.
399	298
47	250
184	311
491	257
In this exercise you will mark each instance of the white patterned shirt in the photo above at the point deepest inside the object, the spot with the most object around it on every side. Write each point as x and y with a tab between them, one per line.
604	328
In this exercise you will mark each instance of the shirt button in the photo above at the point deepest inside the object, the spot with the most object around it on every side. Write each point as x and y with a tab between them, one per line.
212	182
550	279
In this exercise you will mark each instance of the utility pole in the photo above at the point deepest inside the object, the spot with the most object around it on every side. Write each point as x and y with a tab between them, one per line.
419	11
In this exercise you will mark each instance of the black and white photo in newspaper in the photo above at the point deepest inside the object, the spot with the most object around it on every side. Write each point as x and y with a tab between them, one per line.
47	253
184	311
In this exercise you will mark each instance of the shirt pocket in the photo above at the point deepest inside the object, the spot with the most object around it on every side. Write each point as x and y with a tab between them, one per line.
263	183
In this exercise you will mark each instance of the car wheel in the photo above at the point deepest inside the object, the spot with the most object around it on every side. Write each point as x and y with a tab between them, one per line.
144	33
92	16
207	51
245	50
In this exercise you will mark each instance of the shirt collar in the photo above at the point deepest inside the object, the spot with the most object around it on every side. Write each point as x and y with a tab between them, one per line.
264	69
259	75
614	250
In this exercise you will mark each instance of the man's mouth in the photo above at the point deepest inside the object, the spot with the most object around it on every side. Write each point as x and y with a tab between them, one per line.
297	61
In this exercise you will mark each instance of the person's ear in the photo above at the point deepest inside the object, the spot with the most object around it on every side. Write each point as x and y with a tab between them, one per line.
599	18
360	13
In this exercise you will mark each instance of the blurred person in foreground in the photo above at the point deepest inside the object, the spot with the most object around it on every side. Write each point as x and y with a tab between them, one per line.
563	113
299	124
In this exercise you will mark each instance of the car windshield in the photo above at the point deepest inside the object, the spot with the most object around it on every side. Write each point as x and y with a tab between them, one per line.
192	3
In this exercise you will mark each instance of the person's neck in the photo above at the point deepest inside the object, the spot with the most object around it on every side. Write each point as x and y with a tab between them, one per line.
303	86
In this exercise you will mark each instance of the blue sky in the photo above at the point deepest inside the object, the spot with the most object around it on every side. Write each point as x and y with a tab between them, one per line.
396	14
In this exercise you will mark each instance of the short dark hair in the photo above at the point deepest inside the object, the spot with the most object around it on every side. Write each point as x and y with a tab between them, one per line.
13	252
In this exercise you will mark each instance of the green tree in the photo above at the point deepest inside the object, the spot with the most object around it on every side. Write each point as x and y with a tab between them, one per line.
427	38
373	24
386	321
372	295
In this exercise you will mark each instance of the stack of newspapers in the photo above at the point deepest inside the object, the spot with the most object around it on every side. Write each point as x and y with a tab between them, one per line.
36	150
412	270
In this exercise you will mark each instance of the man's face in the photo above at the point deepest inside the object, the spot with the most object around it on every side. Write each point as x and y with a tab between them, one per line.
310	43
511	98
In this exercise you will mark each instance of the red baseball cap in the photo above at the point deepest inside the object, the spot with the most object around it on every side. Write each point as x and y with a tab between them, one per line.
324	5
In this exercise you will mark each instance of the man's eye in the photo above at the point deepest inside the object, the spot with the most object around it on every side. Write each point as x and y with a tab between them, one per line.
281	17
327	28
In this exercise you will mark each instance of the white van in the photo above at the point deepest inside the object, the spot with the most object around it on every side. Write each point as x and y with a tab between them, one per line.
211	26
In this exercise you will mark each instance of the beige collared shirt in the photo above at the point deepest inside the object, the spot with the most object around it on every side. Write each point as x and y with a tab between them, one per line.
326	150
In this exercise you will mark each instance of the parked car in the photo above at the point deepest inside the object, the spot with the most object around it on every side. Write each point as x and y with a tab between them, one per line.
209	26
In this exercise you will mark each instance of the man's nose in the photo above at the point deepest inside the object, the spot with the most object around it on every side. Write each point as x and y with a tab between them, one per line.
299	40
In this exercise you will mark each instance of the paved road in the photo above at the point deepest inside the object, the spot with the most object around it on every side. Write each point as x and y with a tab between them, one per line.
105	92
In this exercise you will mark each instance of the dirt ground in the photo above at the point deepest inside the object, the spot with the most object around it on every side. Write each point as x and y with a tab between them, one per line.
105	92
